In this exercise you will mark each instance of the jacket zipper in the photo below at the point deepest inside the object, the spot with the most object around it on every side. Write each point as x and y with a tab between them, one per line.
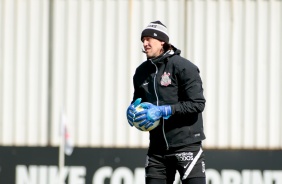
167	147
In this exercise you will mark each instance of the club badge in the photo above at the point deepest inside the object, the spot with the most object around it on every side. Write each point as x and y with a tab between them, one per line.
165	80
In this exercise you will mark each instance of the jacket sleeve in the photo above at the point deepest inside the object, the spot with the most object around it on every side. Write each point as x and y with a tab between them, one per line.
136	85
191	98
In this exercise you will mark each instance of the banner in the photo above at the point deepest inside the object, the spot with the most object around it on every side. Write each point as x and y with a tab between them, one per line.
39	165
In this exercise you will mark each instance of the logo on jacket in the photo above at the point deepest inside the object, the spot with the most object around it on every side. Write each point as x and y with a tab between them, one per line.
165	80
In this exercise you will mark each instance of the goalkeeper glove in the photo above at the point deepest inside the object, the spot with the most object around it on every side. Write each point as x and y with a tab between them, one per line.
152	113
131	111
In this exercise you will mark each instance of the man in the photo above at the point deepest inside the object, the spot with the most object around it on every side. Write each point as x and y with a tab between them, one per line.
171	91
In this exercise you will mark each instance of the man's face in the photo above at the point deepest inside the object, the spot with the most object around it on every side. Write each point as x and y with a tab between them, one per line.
152	47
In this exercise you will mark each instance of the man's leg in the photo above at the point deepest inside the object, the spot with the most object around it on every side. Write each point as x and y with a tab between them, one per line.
194	181
159	181
155	181
158	171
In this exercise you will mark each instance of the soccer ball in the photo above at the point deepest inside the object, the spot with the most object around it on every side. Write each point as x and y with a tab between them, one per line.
136	124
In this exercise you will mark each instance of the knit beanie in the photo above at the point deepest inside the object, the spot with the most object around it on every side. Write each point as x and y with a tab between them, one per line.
156	30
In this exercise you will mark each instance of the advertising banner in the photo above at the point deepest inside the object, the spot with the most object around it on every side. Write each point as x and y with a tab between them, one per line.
39	165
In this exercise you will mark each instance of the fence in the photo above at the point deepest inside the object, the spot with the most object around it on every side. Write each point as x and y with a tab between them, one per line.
79	57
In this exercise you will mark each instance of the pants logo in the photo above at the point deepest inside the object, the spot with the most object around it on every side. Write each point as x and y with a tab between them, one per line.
185	156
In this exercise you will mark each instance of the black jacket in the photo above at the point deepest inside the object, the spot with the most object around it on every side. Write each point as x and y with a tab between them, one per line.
172	80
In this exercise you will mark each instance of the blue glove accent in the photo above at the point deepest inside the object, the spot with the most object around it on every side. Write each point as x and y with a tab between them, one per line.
147	123
153	113
148	116
130	112
166	111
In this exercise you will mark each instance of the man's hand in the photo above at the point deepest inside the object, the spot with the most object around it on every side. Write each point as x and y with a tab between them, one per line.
152	113
130	112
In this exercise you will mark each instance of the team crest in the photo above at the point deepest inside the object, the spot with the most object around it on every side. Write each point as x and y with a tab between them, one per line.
165	80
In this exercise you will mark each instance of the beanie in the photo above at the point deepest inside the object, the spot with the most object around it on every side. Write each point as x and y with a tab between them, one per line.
156	30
